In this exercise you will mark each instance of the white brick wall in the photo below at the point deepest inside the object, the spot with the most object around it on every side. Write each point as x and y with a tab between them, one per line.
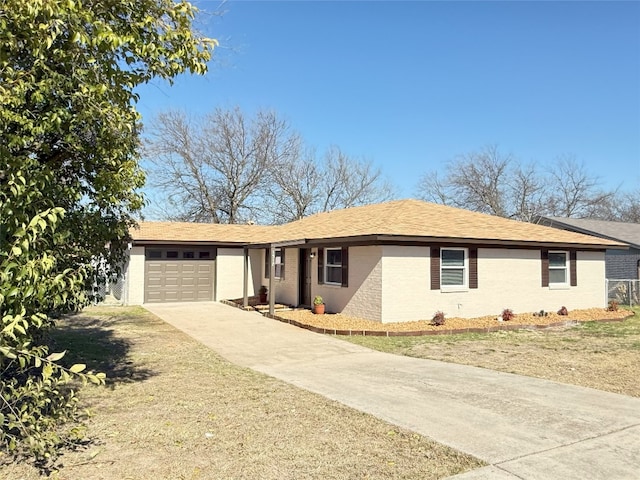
363	297
286	290
507	278
405	283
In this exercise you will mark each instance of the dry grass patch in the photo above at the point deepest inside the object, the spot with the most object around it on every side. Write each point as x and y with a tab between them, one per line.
173	409
599	355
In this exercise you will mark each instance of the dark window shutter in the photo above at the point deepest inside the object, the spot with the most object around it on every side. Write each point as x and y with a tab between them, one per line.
320	266
544	261
282	264
435	268
473	268
267	264
345	266
573	269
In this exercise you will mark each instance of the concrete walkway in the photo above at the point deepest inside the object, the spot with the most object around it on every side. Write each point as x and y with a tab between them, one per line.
525	428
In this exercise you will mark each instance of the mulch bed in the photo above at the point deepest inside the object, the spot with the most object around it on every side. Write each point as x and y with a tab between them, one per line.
339	324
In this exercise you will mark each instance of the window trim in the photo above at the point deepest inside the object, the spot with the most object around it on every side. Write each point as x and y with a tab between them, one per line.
465	270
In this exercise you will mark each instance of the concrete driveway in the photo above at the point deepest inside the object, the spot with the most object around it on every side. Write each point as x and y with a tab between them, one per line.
525	428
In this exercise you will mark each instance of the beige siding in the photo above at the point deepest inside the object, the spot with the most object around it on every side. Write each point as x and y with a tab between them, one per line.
363	297
135	277
230	274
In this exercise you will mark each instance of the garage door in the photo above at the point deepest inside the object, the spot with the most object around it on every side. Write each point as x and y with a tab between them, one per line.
179	275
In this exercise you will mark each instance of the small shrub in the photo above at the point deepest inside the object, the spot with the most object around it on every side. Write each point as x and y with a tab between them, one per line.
318	300
507	314
563	311
438	318
613	306
541	313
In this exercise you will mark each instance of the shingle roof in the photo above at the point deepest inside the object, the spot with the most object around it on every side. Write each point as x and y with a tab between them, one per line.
200	232
399	220
620	231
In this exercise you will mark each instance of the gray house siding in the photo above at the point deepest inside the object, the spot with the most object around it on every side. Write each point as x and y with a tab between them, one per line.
622	264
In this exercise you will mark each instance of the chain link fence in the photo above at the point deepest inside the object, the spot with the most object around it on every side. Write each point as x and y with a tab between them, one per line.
111	291
625	292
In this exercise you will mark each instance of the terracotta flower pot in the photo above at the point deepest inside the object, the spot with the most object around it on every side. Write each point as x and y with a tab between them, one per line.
318	309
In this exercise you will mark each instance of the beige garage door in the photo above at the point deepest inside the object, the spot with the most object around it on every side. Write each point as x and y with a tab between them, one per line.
179	275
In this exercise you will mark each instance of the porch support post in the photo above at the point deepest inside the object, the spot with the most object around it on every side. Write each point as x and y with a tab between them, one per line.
245	285
272	273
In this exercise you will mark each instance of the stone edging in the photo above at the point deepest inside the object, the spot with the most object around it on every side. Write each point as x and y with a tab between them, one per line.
418	333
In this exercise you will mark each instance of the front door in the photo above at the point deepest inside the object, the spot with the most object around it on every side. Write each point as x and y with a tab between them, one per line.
304	293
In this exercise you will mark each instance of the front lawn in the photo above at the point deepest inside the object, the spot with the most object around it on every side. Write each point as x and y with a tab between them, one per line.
599	355
173	409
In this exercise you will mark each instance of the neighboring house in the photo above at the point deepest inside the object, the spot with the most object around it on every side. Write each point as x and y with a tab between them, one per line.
389	262
620	264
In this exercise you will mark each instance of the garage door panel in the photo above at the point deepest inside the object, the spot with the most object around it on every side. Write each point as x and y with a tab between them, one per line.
178	281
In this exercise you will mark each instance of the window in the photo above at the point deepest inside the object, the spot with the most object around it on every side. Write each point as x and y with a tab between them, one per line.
558	268
188	255
172	254
154	254
204	255
333	266
453	267
278	263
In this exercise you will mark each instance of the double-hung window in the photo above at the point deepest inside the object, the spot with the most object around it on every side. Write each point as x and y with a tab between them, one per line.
453	268
558	268
333	266
278	263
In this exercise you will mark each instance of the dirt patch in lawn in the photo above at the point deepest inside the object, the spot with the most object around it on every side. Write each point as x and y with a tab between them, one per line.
356	325
173	409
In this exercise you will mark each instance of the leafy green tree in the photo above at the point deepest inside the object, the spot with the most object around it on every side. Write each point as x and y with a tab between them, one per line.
69	180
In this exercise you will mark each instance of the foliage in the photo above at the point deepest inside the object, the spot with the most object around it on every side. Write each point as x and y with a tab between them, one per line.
507	314
230	167
613	306
68	181
563	311
438	318
318	300
541	313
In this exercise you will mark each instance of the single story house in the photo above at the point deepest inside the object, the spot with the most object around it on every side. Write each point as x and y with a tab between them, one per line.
388	262
619	264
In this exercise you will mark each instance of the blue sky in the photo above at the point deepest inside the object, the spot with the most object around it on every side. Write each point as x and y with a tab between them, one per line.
410	85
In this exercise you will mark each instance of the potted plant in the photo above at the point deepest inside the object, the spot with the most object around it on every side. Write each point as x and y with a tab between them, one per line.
262	294
318	305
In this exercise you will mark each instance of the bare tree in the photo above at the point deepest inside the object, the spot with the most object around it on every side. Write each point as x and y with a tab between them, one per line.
227	168
349	182
490	182
306	185
573	192
214	169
